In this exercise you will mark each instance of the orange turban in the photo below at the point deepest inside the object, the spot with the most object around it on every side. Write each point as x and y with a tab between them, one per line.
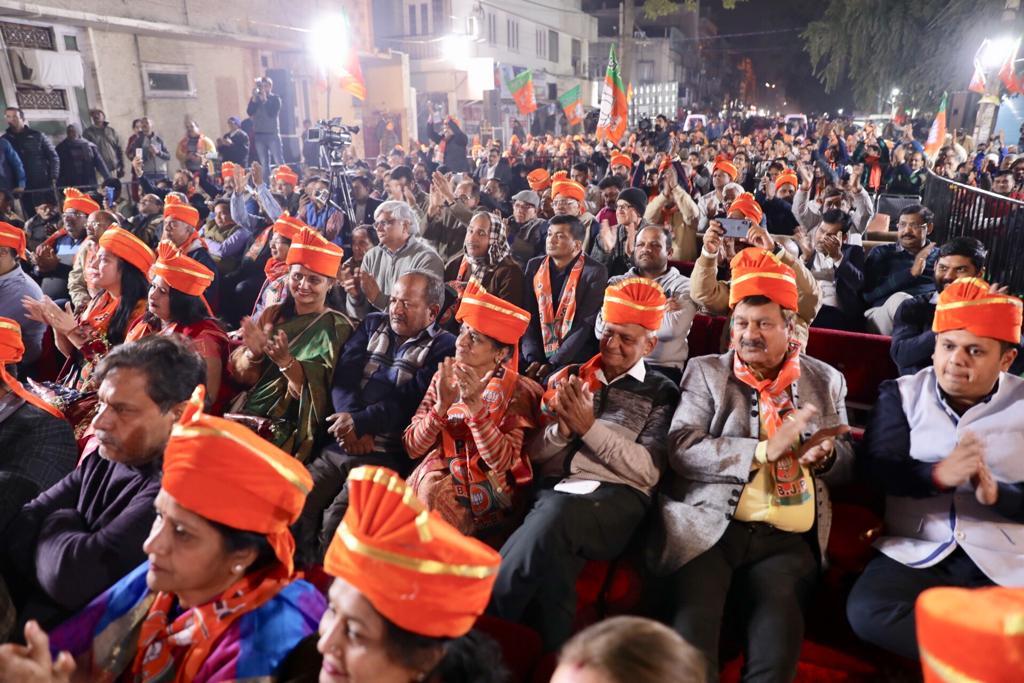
310	249
222	471
539	179
227	169
559	175
971	634
181	272
491	315
636	300
177	209
128	247
568	188
967	304
748	206
622	160
726	167
416	569
12	348
285	174
786	177
757	272
288	227
14	237
74	199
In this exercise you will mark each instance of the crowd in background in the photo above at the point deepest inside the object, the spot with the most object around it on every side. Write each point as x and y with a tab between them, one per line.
218	371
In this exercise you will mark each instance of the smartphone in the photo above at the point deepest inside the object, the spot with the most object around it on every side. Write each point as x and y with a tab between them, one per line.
735	227
138	153
109	192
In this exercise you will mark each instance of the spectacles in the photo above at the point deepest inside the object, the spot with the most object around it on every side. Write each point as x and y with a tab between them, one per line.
623	207
384	223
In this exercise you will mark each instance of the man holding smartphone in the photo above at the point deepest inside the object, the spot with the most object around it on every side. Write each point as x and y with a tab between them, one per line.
264	109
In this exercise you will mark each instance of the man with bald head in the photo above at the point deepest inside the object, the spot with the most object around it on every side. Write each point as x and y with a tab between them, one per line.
380	378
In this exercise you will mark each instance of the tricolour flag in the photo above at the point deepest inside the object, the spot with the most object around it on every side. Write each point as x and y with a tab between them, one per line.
521	88
937	134
572	104
611	124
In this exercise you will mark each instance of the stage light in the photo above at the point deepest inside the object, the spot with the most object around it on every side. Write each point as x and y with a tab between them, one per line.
329	41
455	49
995	51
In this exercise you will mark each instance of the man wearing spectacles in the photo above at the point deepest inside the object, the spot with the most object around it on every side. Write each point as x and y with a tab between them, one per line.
399	250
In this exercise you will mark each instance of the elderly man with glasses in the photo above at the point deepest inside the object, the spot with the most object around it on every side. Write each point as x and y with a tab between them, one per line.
568	198
399	251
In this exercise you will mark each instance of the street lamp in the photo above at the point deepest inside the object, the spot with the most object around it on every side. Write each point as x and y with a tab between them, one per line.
994	52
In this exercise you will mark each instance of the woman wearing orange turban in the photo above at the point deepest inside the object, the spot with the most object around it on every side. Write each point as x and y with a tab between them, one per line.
407	589
276	268
475	418
218	599
288	352
120	271
181	228
176	306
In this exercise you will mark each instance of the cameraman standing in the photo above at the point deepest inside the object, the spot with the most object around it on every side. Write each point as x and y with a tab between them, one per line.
264	108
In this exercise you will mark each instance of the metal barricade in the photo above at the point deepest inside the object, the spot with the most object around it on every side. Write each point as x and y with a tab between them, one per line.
994	219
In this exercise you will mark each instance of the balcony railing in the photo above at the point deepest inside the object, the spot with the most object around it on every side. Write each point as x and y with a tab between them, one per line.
416	47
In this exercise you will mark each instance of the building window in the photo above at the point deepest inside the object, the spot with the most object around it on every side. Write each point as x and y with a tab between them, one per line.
35	98
553	46
577	57
424	20
168	80
412	20
512	27
492	28
440	19
23	35
71	43
542	44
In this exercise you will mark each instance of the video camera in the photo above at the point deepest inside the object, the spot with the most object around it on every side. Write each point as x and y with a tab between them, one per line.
331	134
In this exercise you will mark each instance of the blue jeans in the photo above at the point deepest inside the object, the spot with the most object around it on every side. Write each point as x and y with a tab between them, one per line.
268	149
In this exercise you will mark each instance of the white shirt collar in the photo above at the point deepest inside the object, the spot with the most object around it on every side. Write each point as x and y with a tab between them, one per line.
637	372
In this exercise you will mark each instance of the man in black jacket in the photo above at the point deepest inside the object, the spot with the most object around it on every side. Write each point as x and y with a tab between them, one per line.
80	161
42	166
455	145
556	337
839	269
913	341
233	146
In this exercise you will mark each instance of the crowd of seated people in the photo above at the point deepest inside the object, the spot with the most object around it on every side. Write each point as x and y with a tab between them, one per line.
248	435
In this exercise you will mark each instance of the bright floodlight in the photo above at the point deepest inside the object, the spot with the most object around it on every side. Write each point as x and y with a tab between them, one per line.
329	41
995	52
895	92
455	48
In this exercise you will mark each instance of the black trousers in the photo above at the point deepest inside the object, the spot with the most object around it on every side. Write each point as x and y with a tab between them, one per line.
328	500
881	605
769	575
238	292
541	561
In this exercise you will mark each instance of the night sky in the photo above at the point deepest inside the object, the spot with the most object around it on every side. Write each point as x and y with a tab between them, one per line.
777	57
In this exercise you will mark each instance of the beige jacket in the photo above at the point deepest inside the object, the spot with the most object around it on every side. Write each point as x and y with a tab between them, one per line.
683	223
712	294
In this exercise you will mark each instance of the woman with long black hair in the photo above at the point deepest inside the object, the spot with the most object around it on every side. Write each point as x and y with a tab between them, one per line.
176	306
120	273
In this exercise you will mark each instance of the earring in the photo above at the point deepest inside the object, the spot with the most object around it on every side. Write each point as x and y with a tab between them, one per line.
238	569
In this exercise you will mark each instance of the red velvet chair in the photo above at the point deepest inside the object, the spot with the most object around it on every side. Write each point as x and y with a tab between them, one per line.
862	358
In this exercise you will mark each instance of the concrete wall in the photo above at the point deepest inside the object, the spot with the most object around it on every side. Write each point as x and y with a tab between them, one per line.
226	45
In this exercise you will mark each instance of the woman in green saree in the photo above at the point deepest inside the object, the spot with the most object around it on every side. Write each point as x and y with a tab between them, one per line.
288	353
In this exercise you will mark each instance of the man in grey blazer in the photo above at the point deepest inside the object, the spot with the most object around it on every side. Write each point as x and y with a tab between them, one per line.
743	511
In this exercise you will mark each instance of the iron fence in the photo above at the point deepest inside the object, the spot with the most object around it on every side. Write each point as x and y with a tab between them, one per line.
994	219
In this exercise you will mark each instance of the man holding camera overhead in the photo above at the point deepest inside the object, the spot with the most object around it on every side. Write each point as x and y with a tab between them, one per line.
264	108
